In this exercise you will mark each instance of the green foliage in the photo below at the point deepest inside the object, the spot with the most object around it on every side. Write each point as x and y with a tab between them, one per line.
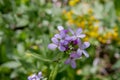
26	27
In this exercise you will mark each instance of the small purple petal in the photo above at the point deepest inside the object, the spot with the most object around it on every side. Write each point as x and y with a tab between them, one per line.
40	75
57	36
71	31
81	35
68	61
63	42
73	64
61	48
74	55
52	46
73	37
33	77
85	53
68	38
79	52
78	31
63	33
85	45
55	40
60	28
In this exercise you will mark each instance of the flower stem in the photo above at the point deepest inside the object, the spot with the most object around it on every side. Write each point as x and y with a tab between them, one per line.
53	73
40	58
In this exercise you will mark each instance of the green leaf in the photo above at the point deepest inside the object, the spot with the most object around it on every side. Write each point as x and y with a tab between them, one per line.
11	64
116	65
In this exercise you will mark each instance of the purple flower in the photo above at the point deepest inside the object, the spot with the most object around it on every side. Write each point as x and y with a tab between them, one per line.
59	40
67	43
60	28
82	48
77	34
57	44
35	76
72	58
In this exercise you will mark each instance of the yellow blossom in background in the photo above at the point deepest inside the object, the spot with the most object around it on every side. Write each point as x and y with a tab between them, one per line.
69	14
90	11
115	35
86	38
73	2
70	21
64	11
90	24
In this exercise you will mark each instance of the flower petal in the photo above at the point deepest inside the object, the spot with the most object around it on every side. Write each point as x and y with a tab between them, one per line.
68	38
63	42
40	75
55	40
52	46
73	37
57	36
74	55
32	77
85	53
60	28
63	33
71	31
79	52
73	64
78	31
68	61
85	45
81	35
61	48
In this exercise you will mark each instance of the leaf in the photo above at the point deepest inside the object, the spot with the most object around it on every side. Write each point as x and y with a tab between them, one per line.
11	64
116	65
20	48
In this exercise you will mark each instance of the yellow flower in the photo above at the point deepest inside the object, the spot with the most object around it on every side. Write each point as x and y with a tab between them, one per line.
96	28
109	35
83	24
115	28
86	39
72	3
100	38
69	14
115	35
104	41
93	34
70	21
92	18
64	11
90	11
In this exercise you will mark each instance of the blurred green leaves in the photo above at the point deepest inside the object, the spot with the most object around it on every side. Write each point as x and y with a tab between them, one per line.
26	27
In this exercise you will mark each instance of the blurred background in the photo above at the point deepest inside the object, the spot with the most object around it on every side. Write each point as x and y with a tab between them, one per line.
26	27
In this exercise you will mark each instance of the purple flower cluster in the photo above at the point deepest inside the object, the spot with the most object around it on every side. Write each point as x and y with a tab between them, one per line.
72	43
36	76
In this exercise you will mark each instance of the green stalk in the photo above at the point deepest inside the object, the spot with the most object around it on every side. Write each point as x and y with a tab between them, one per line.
40	58
53	73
